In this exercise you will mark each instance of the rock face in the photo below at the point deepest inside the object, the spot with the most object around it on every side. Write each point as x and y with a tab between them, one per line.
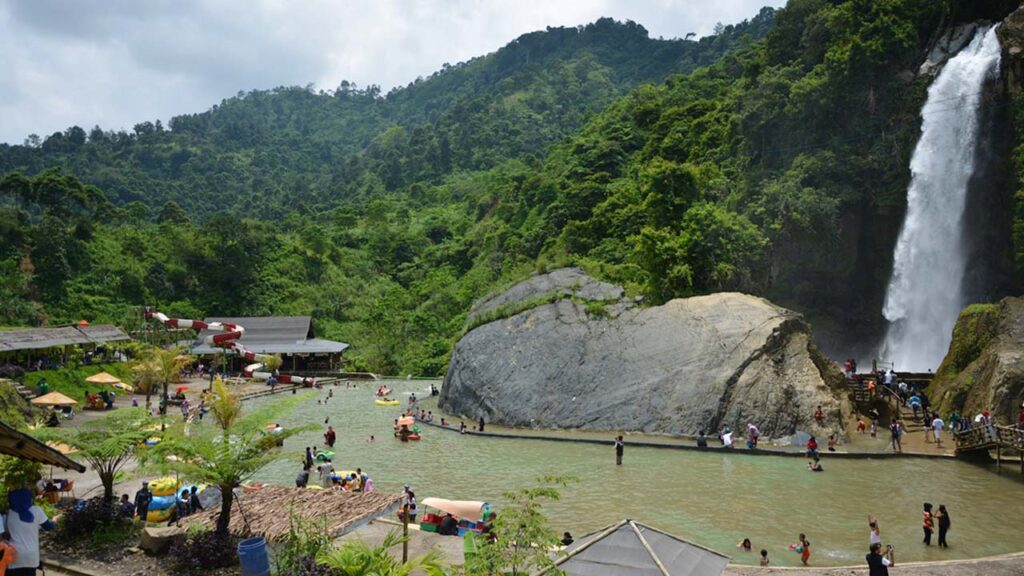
984	367
951	41
592	359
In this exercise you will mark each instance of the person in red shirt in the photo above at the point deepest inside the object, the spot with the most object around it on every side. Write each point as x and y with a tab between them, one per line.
819	416
812	448
927	523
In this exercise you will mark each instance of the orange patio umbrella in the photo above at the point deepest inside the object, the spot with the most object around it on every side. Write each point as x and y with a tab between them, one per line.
103	378
53	399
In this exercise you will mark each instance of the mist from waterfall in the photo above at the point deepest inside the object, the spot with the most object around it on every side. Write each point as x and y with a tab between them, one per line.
925	293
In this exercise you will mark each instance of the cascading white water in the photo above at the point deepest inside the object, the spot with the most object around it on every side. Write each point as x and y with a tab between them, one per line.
925	294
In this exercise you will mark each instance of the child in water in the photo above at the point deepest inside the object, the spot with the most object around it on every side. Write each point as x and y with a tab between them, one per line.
764	558
803	547
745	545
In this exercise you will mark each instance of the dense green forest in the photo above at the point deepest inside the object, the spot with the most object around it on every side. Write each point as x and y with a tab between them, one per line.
770	158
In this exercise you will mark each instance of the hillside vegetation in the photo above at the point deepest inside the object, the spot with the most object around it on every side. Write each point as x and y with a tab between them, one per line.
770	158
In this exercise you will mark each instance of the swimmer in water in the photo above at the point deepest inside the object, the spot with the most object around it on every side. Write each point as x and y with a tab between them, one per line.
745	545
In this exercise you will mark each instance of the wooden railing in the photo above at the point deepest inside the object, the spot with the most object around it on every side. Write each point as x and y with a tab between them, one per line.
991	437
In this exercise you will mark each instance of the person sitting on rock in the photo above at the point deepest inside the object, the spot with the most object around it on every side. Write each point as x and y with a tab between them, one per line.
702	440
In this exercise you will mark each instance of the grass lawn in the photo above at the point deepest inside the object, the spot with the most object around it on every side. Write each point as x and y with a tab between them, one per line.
71	381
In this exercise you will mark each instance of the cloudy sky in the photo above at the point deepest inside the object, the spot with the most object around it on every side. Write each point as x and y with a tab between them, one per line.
118	62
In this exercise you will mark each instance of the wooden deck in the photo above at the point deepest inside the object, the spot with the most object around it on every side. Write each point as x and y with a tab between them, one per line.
983	439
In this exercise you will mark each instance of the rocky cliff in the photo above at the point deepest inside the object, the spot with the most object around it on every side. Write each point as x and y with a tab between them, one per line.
562	350
984	367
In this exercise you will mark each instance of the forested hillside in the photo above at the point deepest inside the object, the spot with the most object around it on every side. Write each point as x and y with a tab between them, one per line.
774	165
295	149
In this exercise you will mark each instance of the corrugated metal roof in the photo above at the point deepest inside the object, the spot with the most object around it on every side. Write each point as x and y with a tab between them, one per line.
630	549
103	333
36	338
19	445
273	335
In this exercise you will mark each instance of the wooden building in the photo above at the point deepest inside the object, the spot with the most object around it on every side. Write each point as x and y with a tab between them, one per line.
291	337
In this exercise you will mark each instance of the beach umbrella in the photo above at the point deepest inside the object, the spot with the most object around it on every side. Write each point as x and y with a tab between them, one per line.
103	378
62	448
53	399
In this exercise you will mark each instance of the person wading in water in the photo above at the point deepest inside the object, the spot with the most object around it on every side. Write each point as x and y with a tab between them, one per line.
619	449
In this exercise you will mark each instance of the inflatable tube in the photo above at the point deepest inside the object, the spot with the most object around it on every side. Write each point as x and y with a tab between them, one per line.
159	515
324	456
387	402
162	502
414	437
166	486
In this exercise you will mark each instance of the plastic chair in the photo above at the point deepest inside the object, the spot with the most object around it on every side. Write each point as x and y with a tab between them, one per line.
67	488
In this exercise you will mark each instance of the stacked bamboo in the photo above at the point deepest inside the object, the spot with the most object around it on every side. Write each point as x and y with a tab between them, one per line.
268	512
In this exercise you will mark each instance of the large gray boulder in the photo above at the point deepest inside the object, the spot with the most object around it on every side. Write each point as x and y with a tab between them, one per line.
607	363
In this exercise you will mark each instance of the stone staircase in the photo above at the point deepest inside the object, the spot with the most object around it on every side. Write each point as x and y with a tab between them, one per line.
22	391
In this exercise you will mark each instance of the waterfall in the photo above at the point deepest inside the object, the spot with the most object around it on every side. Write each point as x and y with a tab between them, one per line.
925	292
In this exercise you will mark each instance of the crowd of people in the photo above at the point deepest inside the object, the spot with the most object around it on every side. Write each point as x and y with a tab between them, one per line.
879	559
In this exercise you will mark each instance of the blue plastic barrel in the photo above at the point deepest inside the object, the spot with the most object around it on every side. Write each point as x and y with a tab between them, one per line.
252	555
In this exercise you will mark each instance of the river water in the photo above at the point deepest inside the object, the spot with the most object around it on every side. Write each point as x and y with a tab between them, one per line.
713	499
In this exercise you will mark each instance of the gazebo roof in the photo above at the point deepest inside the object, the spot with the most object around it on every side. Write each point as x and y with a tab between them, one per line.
629	548
21	445
268	511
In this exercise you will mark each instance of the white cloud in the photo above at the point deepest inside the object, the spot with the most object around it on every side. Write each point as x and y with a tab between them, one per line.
118	62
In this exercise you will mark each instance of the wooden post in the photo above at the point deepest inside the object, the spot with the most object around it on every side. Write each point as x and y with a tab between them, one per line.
405	533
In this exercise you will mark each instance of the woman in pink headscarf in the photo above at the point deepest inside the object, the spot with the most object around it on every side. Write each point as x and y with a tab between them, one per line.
752	435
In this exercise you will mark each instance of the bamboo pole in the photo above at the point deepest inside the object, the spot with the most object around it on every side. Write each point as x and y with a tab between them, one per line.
647	547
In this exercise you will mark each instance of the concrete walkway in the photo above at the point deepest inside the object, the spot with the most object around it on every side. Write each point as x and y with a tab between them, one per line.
1006	565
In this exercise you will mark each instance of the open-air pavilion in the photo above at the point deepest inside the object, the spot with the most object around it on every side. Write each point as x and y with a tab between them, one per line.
26	346
292	337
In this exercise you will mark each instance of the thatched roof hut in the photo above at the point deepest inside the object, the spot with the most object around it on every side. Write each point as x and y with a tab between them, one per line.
267	512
